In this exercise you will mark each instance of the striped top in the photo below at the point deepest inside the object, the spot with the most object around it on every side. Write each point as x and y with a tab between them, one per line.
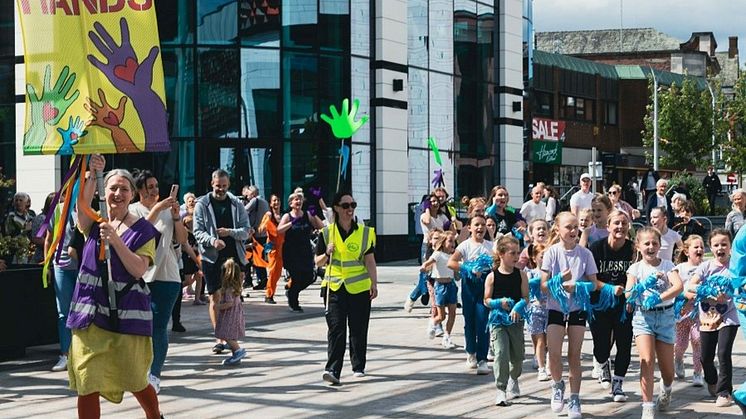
90	303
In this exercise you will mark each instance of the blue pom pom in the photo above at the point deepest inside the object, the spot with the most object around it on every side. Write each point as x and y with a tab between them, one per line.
534	289
606	298
651	301
558	292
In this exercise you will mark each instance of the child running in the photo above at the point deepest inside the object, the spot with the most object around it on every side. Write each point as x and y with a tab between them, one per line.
653	322
718	321
537	325
574	264
538	233
229	324
446	290
687	328
472	293
504	287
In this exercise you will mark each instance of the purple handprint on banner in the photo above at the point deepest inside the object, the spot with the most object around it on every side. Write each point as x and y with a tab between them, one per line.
71	136
134	79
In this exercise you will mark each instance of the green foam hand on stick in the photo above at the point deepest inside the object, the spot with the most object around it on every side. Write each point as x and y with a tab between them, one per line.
436	151
343	123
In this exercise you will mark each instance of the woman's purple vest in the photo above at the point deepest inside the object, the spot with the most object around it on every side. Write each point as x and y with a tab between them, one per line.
90	303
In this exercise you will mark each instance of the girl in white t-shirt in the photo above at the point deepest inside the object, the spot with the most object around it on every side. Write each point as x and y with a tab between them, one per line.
653	322
687	329
472	293
575	264
446	290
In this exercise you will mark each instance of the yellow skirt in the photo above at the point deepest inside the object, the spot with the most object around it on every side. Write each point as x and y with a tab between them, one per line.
108	363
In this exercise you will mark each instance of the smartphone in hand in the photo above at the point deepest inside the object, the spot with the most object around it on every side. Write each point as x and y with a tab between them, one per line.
175	192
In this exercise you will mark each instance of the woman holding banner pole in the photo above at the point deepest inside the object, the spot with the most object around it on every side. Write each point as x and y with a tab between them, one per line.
111	349
349	286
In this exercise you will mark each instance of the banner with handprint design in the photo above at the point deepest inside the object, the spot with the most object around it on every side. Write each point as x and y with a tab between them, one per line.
94	77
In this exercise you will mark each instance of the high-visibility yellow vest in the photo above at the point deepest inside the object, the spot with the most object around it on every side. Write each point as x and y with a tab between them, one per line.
346	265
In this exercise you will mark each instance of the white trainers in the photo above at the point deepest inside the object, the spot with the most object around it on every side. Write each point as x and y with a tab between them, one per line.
513	390
698	380
596	369
542	375
447	343
471	361
439	330
358	374
430	331
605	378
558	397
408	305
482	368
617	392
648	411
501	400
155	382
61	364
573	408
664	398
679	368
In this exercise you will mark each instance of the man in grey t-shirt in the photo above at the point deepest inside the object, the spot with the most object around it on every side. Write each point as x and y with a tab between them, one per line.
256	208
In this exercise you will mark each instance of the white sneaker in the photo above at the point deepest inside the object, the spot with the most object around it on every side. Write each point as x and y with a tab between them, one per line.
61	364
664	398
724	401
501	400
573	408
558	397
596	369
155	382
698	380
471	361
648	411
358	374
605	378
542	375
408	305
482	368
447	343
439	330
617	392
679	368
430	331
513	390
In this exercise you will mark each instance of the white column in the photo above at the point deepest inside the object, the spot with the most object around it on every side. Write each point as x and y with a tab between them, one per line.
391	118
510	79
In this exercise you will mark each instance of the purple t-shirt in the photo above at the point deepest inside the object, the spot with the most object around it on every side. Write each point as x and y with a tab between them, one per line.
714	315
579	261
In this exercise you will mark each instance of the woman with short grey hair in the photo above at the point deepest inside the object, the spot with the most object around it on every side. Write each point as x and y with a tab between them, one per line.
735	218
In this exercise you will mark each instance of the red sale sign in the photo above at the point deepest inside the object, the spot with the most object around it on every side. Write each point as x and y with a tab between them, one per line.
548	130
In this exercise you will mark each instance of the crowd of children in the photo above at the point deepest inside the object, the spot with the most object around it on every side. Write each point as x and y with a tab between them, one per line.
586	271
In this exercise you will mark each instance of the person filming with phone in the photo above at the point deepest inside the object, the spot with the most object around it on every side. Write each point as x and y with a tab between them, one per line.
163	278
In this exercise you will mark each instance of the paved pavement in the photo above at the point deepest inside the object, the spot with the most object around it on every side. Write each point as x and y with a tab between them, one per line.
409	376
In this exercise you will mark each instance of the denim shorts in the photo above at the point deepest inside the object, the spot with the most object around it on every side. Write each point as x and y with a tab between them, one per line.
446	294
659	322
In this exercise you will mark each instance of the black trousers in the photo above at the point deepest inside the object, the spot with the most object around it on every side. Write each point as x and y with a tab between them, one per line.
353	309
608	329
722	340
301	280
711	197
176	311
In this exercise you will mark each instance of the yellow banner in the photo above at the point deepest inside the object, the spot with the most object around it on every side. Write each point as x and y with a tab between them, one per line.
94	77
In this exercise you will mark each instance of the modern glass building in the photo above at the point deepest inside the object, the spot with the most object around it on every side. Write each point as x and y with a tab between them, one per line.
246	82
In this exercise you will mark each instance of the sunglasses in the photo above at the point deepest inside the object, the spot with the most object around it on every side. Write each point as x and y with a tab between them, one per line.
348	205
613	192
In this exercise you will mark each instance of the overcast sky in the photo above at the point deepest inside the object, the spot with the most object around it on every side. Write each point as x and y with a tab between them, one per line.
678	18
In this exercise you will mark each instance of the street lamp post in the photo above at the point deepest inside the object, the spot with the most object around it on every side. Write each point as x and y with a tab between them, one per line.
712	96
655	120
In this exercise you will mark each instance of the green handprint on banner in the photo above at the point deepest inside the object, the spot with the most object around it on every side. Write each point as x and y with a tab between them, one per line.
343	124
50	107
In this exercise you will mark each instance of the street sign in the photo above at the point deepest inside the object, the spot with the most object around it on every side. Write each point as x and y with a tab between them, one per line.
731	178
597	172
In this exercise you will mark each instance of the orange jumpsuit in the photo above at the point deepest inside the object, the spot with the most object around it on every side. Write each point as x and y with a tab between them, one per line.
274	267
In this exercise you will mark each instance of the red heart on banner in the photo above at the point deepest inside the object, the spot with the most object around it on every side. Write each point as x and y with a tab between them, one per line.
127	71
73	136
49	112
112	119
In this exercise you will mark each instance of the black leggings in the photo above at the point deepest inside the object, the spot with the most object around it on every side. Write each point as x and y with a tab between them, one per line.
301	279
722	339
607	329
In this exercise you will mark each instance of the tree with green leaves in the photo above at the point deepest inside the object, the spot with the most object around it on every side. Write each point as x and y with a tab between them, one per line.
685	124
734	152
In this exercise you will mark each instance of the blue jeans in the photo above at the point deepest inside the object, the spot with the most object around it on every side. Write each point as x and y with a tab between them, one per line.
64	285
420	289
475	319
162	299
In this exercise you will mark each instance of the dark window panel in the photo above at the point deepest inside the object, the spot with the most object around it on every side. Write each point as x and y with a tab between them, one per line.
334	17
178	69
7	29
175	21
219	78
300	24
7	82
300	92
